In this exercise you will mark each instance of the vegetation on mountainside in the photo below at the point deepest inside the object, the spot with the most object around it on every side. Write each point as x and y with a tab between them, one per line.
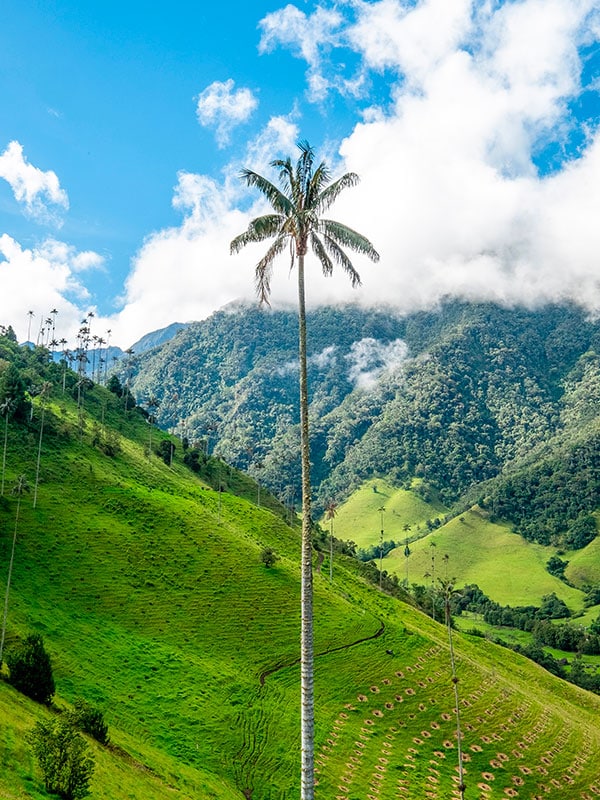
454	396
149	591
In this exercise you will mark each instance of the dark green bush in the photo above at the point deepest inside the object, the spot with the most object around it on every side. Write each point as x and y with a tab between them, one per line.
268	556
31	669
89	720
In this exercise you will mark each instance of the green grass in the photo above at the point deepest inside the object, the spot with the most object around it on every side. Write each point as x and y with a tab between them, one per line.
584	565
505	566
153	602
359	518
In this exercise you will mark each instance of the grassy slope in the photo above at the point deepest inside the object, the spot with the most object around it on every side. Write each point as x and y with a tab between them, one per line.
155	606
359	519
507	568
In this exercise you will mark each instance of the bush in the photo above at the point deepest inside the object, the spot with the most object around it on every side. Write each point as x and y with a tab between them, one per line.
31	669
90	720
64	758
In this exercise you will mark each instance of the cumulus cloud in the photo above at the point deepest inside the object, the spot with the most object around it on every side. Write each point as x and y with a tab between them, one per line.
310	37
38	280
222	107
38	192
369	358
451	194
455	193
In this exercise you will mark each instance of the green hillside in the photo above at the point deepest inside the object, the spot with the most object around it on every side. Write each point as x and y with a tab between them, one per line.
148	588
505	566
405	514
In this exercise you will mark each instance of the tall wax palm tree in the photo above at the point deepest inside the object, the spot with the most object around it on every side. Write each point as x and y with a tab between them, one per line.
7	408
448	591
31	315
19	489
306	192
44	393
330	512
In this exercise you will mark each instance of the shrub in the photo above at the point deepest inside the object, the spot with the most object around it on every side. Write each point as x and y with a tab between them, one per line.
31	669
90	720
166	451
64	758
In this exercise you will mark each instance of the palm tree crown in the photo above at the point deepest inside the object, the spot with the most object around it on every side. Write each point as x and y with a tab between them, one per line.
306	192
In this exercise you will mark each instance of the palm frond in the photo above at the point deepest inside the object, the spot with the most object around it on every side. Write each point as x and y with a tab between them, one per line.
320	252
320	178
342	259
278	200
329	195
347	237
258	230
264	268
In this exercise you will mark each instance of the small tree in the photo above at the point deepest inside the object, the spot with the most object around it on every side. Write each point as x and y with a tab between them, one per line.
268	556
90	720
64	758
31	669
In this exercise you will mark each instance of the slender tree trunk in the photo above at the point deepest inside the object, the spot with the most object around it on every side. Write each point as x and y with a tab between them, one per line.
10	567
455	680
39	458
306	641
4	454
331	552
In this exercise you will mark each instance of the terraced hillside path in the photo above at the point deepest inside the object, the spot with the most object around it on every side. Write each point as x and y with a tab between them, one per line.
253	722
264	675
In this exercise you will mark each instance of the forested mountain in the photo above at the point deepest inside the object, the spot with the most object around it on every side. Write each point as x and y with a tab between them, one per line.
458	395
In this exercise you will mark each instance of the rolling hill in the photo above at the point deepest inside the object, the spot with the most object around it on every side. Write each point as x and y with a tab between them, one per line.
149	590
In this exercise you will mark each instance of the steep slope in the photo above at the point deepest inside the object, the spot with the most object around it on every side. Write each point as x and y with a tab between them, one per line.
150	593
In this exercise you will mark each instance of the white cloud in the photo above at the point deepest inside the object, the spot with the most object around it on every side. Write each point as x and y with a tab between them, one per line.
56	252
39	192
221	107
450	193
39	280
308	37
369	358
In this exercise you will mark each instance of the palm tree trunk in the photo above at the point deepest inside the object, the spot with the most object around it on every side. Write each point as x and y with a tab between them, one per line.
461	780
39	457
306	639
4	451
10	568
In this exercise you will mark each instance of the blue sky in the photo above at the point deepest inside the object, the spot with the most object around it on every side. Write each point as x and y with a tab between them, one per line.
473	125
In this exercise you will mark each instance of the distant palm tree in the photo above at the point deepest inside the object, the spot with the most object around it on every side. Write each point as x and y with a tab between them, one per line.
153	403
19	489
44	392
6	409
306	193
31	315
381	513
448	590
108	334
330	512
